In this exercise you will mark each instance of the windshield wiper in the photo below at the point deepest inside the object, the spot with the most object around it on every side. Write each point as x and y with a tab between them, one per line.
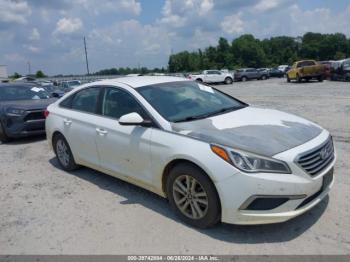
223	110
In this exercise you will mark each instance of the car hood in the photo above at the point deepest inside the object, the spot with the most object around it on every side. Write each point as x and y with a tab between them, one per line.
35	104
262	131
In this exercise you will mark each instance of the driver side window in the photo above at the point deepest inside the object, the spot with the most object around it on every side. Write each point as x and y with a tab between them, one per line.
116	103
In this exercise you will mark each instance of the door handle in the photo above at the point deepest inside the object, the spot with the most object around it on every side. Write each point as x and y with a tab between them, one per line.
102	132
67	122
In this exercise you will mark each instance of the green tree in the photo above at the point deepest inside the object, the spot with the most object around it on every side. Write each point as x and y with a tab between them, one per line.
15	75
248	51
40	74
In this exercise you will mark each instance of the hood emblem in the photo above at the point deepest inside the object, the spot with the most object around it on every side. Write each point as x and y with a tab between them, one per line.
324	153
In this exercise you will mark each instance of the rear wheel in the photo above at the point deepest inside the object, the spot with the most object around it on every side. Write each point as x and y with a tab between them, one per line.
228	80
263	77
288	79
199	80
320	79
193	196
3	136
64	153
244	79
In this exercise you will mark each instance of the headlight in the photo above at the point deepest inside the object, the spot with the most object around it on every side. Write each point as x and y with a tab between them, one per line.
249	162
15	111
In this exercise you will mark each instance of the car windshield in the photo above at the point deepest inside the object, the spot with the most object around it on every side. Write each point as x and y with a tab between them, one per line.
186	100
11	93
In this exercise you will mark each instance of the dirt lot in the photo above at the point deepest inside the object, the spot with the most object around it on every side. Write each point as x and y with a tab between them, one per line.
44	210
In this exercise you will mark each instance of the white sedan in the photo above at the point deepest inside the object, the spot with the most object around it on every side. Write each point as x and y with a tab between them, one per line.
212	156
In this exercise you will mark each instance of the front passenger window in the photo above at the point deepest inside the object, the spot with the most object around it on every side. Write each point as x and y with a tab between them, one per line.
117	103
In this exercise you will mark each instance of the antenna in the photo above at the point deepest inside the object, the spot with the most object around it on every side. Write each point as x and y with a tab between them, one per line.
86	58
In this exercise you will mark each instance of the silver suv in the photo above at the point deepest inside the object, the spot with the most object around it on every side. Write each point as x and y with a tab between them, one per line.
245	74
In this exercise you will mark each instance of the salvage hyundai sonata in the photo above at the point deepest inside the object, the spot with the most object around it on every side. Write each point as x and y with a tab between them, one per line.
214	158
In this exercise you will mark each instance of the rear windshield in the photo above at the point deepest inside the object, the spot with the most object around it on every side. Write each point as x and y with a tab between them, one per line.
11	93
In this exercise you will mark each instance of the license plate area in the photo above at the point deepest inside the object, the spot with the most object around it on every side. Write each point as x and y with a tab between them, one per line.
327	179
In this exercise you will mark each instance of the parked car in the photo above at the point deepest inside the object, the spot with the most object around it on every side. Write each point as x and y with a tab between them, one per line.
327	68
306	70
340	70
212	76
214	157
67	86
275	72
25	79
245	74
22	108
53	90
283	68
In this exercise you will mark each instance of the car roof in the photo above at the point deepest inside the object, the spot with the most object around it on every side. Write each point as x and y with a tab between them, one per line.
138	81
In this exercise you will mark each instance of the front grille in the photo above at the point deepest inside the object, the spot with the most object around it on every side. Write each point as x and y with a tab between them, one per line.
315	161
34	115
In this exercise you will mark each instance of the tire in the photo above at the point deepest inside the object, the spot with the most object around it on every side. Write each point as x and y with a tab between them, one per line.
228	81
298	78
288	79
199	80
3	137
320	79
63	153
263	77
244	78
196	213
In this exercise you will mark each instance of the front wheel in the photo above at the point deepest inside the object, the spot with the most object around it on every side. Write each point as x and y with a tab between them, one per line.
193	196
320	79
298	79
64	153
228	81
244	79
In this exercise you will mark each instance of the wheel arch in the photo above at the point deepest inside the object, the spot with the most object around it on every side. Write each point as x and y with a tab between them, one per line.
178	161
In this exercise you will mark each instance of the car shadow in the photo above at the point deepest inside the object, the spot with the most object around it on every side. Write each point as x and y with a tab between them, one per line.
225	232
24	140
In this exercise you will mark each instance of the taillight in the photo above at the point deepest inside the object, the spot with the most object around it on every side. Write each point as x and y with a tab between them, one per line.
46	113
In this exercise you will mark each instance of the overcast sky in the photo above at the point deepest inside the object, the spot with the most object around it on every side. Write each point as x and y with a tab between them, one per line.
49	33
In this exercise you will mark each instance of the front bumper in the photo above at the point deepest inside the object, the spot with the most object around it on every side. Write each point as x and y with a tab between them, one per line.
21	126
300	191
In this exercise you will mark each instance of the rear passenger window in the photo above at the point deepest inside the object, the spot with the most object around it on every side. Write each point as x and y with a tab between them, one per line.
86	100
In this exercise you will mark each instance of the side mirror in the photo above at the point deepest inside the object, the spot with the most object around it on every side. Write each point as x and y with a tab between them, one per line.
134	119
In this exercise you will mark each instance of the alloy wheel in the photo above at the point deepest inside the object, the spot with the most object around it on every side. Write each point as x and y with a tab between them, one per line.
62	152
190	197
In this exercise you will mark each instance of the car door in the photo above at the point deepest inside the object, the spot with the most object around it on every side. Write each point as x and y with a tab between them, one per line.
218	76
79	125
209	76
251	73
123	149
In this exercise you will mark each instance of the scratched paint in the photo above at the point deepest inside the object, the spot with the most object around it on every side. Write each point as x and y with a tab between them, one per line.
262	131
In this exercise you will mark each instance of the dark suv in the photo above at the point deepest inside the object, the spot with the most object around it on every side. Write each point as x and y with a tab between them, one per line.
22	107
245	74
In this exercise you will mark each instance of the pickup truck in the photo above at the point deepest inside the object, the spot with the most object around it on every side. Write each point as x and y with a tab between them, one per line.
306	70
212	76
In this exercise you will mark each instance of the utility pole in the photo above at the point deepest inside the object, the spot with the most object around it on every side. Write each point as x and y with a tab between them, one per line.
86	58
29	68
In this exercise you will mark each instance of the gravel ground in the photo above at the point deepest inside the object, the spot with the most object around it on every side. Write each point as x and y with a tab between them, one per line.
44	210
